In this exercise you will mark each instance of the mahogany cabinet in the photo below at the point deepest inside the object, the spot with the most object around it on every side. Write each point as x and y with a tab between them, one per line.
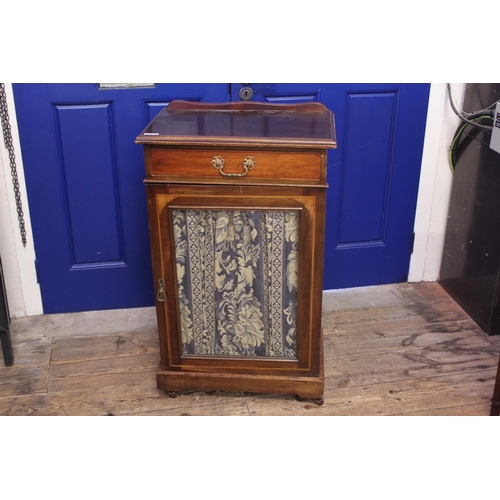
236	202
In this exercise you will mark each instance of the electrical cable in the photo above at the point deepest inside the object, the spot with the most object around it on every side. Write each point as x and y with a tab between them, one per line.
453	153
467	117
462	112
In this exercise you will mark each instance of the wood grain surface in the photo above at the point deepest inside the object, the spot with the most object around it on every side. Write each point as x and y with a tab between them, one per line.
418	354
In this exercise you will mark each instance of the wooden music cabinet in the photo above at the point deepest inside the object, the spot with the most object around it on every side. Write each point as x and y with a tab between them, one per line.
236	202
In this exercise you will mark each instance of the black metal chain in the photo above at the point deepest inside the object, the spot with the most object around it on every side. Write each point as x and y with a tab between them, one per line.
9	145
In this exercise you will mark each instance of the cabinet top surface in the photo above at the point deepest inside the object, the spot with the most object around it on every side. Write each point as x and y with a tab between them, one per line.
239	124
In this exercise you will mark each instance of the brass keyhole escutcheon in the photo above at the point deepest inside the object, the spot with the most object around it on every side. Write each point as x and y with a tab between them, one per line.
246	93
161	296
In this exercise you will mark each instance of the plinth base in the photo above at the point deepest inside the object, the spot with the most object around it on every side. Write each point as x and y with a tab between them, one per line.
303	387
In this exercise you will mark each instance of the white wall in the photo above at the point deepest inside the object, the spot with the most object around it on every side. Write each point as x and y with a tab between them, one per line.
18	262
430	223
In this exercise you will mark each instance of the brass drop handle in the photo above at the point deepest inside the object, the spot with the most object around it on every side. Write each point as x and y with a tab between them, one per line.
161	296
248	163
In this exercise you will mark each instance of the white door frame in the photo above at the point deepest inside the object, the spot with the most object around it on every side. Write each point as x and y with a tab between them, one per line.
435	184
23	291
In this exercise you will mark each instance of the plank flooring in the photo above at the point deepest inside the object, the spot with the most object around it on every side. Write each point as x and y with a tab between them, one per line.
405	349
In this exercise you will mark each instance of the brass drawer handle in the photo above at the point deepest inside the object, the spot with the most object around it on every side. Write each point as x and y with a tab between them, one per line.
248	163
161	295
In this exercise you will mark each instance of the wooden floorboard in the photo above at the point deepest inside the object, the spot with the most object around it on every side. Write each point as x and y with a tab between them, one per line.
404	349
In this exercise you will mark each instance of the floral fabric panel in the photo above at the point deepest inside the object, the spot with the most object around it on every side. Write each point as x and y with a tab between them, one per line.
237	277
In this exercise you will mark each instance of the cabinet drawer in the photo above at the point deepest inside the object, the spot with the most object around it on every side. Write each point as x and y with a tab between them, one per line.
272	165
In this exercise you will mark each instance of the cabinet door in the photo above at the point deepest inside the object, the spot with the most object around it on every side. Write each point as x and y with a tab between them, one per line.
238	271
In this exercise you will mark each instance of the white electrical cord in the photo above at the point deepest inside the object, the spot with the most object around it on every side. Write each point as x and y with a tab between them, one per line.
463	113
468	117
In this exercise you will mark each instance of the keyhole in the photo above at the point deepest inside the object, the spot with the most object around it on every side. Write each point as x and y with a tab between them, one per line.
246	93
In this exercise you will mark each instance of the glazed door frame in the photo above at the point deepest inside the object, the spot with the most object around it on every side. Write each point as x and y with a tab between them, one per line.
311	202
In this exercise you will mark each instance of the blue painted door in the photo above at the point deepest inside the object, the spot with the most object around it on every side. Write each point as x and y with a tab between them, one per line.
84	177
87	203
373	175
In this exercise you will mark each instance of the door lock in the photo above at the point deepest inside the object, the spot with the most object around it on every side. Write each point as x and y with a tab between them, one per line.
246	93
